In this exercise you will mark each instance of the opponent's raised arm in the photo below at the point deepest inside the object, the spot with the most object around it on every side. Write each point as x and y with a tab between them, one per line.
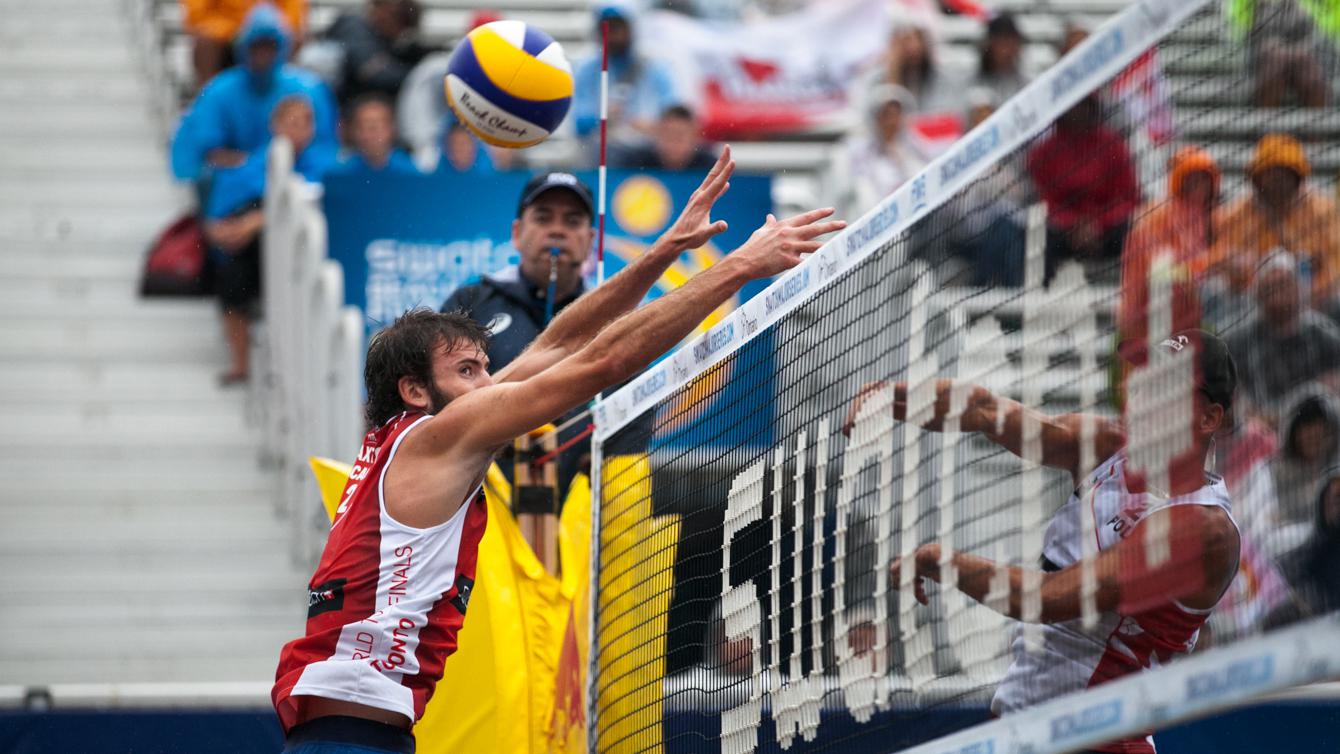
577	324
1001	420
487	418
1203	546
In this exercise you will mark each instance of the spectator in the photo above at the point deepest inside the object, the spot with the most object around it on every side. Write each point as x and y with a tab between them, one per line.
1287	344
371	133
1285	50
1001	66
231	116
1310	436
213	25
555	212
910	63
460	152
677	144
887	156
234	221
1280	212
1181	226
986	227
1084	173
640	87
1313	570
380	47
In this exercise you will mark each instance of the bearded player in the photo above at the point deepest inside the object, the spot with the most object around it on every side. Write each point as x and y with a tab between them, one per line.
1147	614
393	585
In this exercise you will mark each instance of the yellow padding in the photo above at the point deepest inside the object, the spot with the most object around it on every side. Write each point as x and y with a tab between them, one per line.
516	71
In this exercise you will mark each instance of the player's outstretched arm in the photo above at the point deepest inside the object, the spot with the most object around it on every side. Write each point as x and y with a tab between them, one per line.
482	420
1201	559
1001	420
577	324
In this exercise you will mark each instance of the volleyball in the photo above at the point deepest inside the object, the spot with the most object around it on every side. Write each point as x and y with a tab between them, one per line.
509	83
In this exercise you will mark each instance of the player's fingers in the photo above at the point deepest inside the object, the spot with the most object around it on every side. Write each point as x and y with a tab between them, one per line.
806	218
814	230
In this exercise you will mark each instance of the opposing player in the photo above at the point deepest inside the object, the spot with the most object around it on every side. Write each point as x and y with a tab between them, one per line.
394	582
1150	605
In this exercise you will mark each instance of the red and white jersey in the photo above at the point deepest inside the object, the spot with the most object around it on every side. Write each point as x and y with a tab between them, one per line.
1073	658
387	600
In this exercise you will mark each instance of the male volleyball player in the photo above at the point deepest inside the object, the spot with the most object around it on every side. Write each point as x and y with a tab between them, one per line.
391	591
1147	614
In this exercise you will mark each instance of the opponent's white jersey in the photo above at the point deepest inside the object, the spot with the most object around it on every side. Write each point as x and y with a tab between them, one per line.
1072	658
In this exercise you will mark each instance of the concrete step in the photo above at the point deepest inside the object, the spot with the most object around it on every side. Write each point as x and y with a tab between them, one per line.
205	541
79	156
58	454
117	423
177	514
240	464
185	610
123	379
126	90
78	197
84	500
57	60
262	567
148	667
240	637
70	266
67	30
111	224
90	120
51	340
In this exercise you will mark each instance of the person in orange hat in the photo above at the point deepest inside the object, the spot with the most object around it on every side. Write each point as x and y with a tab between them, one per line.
1280	212
1179	226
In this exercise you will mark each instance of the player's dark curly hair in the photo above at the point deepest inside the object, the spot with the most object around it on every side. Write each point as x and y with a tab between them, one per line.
405	349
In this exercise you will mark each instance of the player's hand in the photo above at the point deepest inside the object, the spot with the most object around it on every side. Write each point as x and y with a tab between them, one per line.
978	414
927	560
695	228
779	245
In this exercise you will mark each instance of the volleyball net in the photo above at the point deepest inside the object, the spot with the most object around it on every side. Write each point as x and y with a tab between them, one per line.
755	486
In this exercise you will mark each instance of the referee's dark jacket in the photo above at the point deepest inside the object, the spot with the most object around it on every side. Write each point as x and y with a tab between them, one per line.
512	308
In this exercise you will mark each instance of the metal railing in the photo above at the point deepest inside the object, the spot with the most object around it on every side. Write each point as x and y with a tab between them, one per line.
307	354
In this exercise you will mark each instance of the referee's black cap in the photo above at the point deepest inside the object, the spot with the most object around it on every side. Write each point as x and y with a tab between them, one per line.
1218	372
545	182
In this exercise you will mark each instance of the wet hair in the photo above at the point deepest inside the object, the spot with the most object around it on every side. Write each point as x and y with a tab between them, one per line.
677	112
365	99
1312	409
289	102
405	349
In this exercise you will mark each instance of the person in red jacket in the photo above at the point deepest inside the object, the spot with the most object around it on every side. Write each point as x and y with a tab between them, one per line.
1085	174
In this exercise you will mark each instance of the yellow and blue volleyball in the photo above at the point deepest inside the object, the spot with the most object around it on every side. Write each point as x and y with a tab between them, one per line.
509	83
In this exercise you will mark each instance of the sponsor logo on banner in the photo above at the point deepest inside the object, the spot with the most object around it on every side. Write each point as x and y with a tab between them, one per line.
713	342
863	234
918	192
977	747
1156	12
784	73
680	369
656	379
971	153
786	291
1023	117
1093	56
1236	677
750	324
1086	721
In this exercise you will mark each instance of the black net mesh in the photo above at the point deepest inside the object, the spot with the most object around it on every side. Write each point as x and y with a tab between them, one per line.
744	597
